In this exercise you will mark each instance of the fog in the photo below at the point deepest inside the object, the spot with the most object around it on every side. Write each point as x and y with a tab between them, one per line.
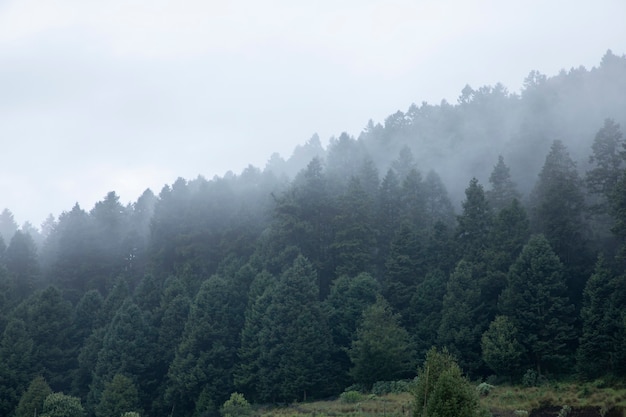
125	96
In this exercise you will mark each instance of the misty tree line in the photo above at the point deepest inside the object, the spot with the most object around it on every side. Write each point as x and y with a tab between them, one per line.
339	266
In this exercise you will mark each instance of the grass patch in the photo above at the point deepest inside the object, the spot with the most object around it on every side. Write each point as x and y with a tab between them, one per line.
507	398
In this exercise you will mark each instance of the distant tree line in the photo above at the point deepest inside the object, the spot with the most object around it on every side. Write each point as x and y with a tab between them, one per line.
288	284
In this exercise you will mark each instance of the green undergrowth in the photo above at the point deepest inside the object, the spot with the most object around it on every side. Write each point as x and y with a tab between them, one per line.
501	398
573	394
390	405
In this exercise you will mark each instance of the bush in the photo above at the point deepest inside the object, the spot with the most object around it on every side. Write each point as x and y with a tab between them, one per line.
484	389
236	406
350	397
390	387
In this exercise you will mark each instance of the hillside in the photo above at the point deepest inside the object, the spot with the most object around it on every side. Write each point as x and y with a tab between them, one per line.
494	227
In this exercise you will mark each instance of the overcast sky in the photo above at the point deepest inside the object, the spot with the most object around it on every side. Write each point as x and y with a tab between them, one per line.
129	94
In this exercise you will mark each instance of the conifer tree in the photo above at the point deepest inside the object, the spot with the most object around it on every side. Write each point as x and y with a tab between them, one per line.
557	212
536	302
289	355
31	402
381	350
503	190
603	328
463	317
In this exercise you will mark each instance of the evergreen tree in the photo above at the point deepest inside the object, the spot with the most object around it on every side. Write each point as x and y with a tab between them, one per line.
355	235
22	264
503	190
119	396
16	364
607	162
31	402
602	323
128	348
536	302
8	227
501	348
475	223
381	350
288	357
414	201
441	389
463	317
61	405
49	322
388	214
206	356
403	270
557	213
348	298
424	315
438	205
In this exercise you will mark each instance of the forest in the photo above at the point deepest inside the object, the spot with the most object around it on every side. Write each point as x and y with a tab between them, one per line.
494	227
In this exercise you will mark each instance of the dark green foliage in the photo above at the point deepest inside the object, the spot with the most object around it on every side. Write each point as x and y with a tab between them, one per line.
119	396
424	317
16	364
557	212
354	236
463	316
601	344
286	341
236	406
501	348
381	349
31	402
206	356
348	298
49	323
441	389
404	270
61	405
536	302
128	348
475	223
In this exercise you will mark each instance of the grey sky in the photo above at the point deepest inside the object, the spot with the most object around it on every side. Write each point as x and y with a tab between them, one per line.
129	94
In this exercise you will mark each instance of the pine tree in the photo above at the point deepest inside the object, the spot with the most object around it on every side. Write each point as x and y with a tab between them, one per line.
206	356
463	317
602	323
31	402
119	396
354	231
501	348
348	298
441	389
475	223
381	350
289	357
536	301
503	190
557	212
16	364
403	270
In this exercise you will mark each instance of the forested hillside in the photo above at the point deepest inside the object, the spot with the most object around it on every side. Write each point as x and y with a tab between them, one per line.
494	227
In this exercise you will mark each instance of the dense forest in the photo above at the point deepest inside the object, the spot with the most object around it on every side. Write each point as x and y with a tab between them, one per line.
494	227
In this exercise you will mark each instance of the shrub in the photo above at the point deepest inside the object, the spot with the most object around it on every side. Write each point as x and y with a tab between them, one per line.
350	397
236	406
390	387
484	389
